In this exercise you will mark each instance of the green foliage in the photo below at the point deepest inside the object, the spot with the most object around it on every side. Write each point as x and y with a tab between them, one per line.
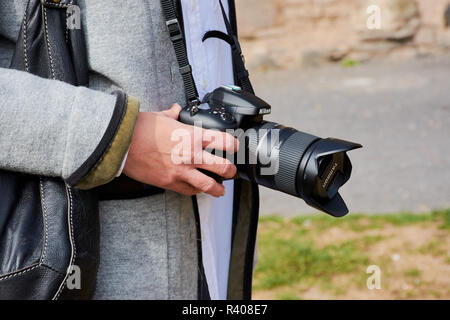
370	240
444	215
362	222
285	261
288	296
412	273
435	248
291	257
276	219
347	63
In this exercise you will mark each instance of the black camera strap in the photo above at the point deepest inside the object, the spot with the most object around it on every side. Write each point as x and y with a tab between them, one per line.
231	38
173	16
176	36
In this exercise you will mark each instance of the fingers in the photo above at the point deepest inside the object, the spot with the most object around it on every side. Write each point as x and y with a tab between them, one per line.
204	183
212	139
173	112
185	189
221	166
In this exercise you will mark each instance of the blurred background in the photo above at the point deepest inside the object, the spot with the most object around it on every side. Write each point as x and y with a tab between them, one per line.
375	72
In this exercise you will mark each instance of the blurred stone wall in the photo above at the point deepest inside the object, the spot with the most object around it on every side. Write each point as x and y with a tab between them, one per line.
286	33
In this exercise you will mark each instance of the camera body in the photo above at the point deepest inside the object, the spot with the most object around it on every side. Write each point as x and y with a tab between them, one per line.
275	156
228	107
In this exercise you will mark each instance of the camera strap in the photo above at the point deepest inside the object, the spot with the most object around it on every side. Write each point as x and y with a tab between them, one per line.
172	17
177	37
242	75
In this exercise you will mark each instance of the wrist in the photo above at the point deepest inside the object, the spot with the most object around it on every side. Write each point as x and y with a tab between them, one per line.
115	157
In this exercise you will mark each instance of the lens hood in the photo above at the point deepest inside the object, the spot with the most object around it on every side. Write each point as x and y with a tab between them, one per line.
324	168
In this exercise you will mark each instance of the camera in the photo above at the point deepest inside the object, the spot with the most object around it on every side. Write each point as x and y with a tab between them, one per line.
275	156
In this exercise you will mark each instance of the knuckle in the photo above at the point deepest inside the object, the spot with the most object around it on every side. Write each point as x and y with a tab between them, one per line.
171	178
231	170
222	170
225	169
179	172
168	182
207	185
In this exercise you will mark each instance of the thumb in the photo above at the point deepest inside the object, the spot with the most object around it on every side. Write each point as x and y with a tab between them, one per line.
173	112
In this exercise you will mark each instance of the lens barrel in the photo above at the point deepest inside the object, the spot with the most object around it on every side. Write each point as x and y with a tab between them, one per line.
297	163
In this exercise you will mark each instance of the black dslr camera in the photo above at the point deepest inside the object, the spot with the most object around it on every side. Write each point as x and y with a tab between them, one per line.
276	156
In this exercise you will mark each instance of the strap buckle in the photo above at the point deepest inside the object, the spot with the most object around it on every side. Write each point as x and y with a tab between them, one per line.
194	102
192	105
186	69
174	30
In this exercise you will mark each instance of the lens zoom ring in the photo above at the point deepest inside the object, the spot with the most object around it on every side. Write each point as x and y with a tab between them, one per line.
291	153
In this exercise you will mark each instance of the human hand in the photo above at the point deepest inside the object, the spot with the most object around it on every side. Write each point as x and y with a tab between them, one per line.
150	158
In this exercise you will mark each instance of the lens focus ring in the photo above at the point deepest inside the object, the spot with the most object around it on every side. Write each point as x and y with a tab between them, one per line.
291	153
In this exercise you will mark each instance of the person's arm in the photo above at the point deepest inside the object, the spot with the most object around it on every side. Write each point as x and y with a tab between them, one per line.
51	128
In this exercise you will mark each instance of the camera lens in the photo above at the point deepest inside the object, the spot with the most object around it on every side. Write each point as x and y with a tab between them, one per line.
297	163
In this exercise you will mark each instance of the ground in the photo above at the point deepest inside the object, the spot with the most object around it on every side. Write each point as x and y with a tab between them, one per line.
398	110
321	257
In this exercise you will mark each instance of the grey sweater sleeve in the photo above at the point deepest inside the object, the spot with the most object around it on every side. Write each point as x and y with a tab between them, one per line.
51	128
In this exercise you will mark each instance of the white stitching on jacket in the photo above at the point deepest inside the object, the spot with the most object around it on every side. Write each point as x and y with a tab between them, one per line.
71	224
18	273
38	264
66	29
44	213
24	26
56	5
72	244
48	42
